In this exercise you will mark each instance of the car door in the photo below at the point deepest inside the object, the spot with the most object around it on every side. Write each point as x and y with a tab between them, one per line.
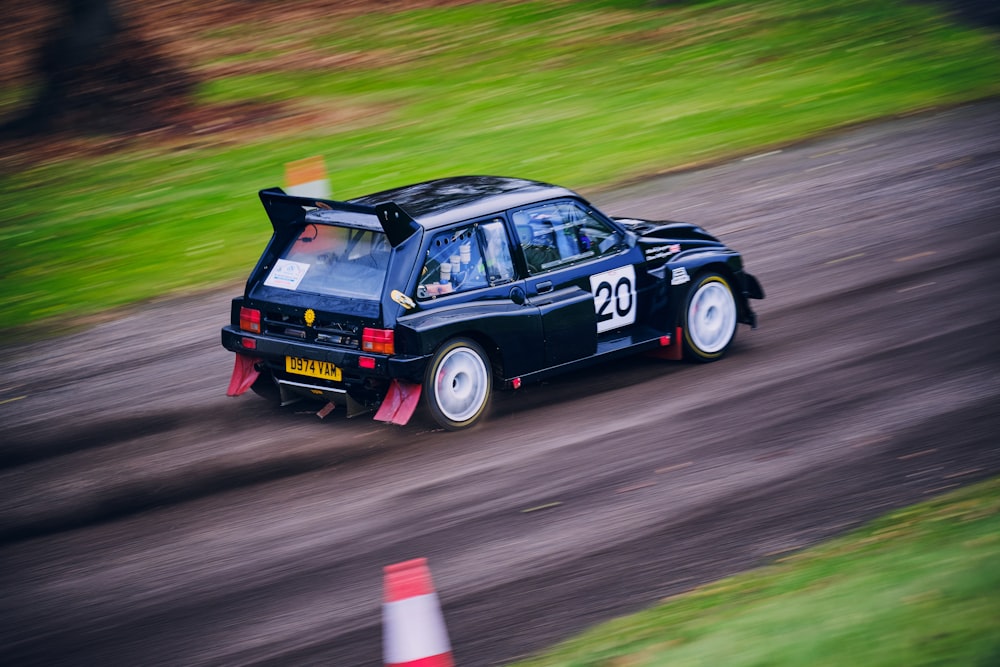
579	274
468	283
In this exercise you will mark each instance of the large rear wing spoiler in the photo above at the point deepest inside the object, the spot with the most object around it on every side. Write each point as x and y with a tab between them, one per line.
285	210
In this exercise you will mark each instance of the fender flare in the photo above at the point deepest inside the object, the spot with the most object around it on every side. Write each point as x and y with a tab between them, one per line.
683	269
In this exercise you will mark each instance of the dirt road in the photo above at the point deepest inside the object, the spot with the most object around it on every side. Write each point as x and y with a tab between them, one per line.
147	519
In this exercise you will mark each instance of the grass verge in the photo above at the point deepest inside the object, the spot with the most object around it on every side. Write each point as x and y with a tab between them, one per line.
584	94
920	586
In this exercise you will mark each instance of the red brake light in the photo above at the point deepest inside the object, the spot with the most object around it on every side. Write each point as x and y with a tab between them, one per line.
378	340
250	319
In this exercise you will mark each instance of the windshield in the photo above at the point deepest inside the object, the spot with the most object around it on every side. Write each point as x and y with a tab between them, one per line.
338	261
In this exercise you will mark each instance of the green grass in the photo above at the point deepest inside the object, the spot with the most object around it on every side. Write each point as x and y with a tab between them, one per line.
918	587
584	94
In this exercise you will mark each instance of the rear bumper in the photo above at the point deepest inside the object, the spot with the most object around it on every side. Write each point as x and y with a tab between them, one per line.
271	352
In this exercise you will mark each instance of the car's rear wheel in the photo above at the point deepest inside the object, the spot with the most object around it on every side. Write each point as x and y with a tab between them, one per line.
458	384
709	318
265	387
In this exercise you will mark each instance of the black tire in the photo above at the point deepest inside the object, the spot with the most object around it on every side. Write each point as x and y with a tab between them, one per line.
458	384
710	318
265	387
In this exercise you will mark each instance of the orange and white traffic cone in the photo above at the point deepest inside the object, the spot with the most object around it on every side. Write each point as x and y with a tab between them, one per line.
413	630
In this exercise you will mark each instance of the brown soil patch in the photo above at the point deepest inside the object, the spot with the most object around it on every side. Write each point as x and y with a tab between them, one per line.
197	39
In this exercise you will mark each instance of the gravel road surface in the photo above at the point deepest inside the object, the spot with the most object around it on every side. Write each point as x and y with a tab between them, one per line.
145	518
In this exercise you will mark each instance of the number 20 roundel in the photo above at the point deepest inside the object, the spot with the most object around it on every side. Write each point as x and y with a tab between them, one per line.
614	298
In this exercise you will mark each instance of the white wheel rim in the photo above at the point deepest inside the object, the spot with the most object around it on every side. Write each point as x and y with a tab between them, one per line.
711	318
461	384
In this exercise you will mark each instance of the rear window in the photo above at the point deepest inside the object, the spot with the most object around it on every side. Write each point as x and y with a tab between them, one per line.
338	261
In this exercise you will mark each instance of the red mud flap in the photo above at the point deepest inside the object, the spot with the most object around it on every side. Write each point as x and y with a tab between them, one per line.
672	351
245	374
399	403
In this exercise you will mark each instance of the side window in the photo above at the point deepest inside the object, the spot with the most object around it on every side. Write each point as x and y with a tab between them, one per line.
466	258
496	250
561	233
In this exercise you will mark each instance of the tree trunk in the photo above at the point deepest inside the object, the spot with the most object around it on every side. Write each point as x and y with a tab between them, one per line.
97	75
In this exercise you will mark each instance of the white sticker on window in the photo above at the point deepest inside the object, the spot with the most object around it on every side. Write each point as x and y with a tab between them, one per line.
286	274
614	298
679	276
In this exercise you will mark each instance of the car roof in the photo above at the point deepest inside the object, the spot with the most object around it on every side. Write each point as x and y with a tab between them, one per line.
446	200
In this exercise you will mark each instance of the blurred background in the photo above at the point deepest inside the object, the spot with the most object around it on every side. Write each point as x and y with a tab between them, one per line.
847	147
152	124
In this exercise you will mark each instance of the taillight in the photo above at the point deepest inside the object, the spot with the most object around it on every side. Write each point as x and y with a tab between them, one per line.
250	319
378	340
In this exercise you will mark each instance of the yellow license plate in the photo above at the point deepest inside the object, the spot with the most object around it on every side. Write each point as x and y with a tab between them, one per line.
312	368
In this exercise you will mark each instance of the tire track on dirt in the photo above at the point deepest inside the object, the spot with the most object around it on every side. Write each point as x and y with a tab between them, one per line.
70	487
546	594
23	448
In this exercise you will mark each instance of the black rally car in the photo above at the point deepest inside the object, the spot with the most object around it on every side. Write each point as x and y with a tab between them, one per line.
454	287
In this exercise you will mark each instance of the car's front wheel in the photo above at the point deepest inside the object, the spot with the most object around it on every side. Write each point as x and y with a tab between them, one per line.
709	318
458	384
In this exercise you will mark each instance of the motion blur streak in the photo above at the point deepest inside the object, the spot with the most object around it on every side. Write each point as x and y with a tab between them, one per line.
149	519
